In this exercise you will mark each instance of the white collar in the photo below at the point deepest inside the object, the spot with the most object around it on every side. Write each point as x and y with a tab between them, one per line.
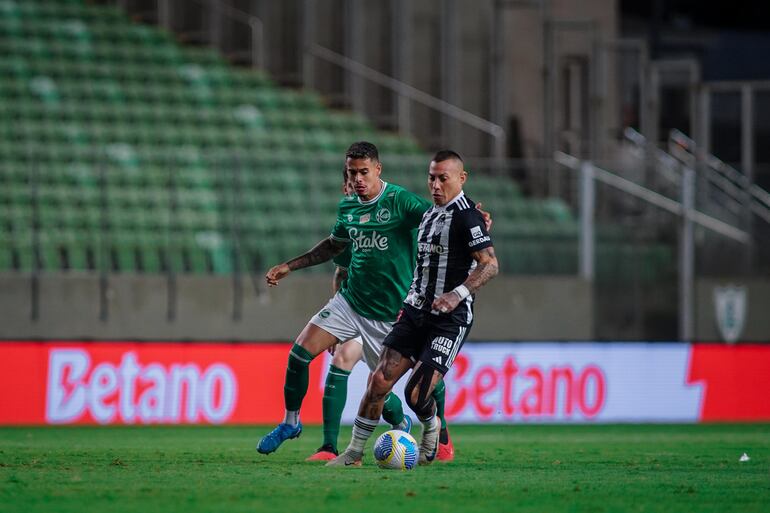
374	200
454	200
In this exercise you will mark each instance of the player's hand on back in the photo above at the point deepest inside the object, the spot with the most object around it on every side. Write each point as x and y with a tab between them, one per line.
276	273
486	215
445	303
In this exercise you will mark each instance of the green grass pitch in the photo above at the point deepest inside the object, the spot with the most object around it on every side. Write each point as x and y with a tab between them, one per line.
531	468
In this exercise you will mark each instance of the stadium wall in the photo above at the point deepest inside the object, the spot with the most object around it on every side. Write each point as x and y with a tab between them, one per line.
756	321
137	308
230	383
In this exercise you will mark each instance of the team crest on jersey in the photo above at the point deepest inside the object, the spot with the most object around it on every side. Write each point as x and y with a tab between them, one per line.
440	223
364	218
350	218
476	232
383	215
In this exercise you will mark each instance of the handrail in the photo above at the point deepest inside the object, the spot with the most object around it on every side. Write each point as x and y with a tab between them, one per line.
760	203
403	89
656	199
256	25
733	85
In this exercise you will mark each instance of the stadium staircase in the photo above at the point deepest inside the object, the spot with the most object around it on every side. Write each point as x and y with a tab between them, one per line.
122	150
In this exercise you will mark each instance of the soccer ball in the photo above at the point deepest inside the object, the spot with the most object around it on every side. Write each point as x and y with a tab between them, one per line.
396	449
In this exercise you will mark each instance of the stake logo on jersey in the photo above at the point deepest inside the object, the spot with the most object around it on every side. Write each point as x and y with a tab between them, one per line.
446	240
362	241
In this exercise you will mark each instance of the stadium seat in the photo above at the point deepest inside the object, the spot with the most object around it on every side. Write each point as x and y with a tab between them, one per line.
144	152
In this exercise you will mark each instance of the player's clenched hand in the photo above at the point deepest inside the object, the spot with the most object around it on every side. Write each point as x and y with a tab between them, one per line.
445	303
276	273
486	215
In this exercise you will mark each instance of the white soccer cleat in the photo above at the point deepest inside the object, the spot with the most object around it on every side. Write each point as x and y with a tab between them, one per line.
429	442
348	458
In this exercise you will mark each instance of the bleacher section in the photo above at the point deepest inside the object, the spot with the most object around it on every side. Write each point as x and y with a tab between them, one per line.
131	153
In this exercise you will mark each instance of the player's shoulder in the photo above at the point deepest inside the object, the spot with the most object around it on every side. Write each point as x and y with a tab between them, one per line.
400	195
465	214
394	191
347	202
464	207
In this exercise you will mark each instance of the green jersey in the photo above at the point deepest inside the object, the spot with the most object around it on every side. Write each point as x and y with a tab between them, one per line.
343	259
381	233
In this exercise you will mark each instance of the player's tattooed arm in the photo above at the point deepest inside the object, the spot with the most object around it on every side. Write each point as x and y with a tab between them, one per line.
486	269
321	252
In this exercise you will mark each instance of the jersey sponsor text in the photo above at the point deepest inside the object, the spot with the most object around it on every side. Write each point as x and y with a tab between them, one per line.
373	241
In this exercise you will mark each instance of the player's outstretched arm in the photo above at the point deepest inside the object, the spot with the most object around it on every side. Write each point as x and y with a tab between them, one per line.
486	269
321	252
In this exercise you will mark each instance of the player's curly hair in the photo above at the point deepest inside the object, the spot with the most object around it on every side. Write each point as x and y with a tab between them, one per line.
363	150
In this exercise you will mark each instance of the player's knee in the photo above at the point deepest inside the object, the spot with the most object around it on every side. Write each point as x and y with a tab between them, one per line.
418	393
347	356
341	362
413	399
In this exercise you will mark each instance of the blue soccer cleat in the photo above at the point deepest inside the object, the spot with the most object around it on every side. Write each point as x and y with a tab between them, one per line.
407	428
273	440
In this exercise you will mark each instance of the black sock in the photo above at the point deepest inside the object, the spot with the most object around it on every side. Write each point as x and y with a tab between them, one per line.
443	436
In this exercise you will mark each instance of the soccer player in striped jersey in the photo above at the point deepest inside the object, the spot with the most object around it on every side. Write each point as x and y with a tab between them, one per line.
455	259
379	223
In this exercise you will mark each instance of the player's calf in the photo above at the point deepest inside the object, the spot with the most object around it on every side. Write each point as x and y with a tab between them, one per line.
429	442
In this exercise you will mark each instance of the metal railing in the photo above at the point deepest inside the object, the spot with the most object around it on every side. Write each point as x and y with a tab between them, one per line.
741	191
685	210
654	198
254	23
405	90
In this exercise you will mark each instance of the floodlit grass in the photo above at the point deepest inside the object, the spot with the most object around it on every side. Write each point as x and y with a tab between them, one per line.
667	468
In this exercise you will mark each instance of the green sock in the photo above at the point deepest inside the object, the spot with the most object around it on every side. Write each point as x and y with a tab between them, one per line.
295	386
335	394
392	411
439	395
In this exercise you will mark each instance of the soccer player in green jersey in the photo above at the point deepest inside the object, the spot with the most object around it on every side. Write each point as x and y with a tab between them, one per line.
379	222
346	356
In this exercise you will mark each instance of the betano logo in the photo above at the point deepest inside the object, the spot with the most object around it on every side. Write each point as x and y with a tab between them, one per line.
373	241
144	393
534	392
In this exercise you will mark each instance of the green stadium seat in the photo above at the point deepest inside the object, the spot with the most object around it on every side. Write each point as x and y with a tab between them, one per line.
94	102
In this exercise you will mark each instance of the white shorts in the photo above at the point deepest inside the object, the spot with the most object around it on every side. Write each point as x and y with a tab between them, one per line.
339	319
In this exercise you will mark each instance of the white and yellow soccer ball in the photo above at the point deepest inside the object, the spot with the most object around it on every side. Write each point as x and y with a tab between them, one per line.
397	450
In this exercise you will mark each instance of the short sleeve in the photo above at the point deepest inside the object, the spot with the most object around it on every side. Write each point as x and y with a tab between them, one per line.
412	206
472	230
340	232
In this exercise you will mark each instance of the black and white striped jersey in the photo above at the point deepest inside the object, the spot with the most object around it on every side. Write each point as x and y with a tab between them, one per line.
446	238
